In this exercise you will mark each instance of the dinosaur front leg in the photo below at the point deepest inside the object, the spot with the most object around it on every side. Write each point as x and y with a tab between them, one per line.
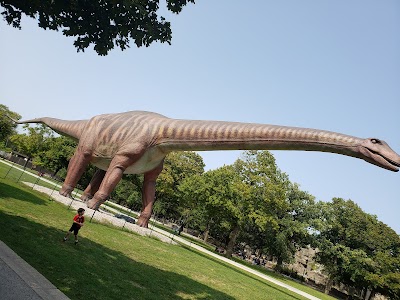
76	167
93	186
113	175
148	195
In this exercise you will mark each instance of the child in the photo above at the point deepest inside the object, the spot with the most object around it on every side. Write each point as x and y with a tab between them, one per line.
78	223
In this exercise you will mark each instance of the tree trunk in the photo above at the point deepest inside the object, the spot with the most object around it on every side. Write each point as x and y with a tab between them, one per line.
279	263
55	172
232	241
351	292
369	295
206	232
328	285
362	293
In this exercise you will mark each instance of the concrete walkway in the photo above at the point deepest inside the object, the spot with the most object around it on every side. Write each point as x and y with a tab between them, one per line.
20	281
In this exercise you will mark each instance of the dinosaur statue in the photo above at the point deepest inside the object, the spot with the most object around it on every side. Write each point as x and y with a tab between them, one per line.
137	142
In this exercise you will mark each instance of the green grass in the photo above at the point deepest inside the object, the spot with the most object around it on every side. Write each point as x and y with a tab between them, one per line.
197	242
111	263
14	174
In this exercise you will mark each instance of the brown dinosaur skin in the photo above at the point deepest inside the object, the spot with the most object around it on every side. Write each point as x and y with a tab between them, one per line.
137	142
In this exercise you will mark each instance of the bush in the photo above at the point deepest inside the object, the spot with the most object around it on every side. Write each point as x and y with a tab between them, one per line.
291	273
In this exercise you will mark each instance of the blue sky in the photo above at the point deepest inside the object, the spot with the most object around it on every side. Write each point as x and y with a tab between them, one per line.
332	65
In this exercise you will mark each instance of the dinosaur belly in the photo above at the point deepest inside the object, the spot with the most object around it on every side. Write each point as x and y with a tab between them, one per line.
149	160
146	163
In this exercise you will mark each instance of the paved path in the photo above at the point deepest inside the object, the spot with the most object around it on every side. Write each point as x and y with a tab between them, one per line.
19	281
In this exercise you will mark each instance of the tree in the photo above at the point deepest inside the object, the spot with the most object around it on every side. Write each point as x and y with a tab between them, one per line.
268	200
248	192
294	230
177	167
104	24
34	141
56	153
46	150
227	201
7	126
128	191
386	280
194	192
217	197
358	250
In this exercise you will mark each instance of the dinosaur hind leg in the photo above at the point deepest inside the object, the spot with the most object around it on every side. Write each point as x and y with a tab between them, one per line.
148	195
94	185
76	167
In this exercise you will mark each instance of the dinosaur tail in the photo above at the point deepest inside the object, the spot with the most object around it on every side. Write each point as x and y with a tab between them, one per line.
71	129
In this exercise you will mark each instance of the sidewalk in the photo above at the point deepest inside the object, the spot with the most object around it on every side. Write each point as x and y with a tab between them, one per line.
18	280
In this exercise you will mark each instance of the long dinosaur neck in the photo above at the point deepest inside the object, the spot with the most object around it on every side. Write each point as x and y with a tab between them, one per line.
215	135
72	129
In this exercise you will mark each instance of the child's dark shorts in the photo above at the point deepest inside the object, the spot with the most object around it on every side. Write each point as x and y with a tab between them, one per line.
75	228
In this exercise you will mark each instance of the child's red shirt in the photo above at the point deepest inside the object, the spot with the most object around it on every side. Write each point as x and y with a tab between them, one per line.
79	219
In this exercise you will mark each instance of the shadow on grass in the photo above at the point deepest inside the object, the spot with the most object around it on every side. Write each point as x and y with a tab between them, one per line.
92	271
244	273
18	192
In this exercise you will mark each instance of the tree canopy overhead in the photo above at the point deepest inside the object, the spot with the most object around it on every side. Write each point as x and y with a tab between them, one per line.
99	22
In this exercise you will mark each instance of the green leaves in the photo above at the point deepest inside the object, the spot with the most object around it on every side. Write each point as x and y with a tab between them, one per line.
177	5
128	192
51	152
177	167
7	126
57	153
358	250
104	24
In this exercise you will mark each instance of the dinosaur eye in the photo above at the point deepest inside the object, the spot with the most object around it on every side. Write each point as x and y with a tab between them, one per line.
375	141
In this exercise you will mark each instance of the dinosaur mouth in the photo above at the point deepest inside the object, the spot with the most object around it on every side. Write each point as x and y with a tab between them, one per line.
378	159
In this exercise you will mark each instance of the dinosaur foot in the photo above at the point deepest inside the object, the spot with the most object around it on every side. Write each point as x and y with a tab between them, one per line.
143	221
93	203
66	190
86	197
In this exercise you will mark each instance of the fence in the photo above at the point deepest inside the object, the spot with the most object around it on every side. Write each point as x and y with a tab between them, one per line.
13	170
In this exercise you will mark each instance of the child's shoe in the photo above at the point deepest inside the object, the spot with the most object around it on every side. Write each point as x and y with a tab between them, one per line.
76	242
64	239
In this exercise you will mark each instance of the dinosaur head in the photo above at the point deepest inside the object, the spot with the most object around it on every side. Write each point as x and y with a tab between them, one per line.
377	152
